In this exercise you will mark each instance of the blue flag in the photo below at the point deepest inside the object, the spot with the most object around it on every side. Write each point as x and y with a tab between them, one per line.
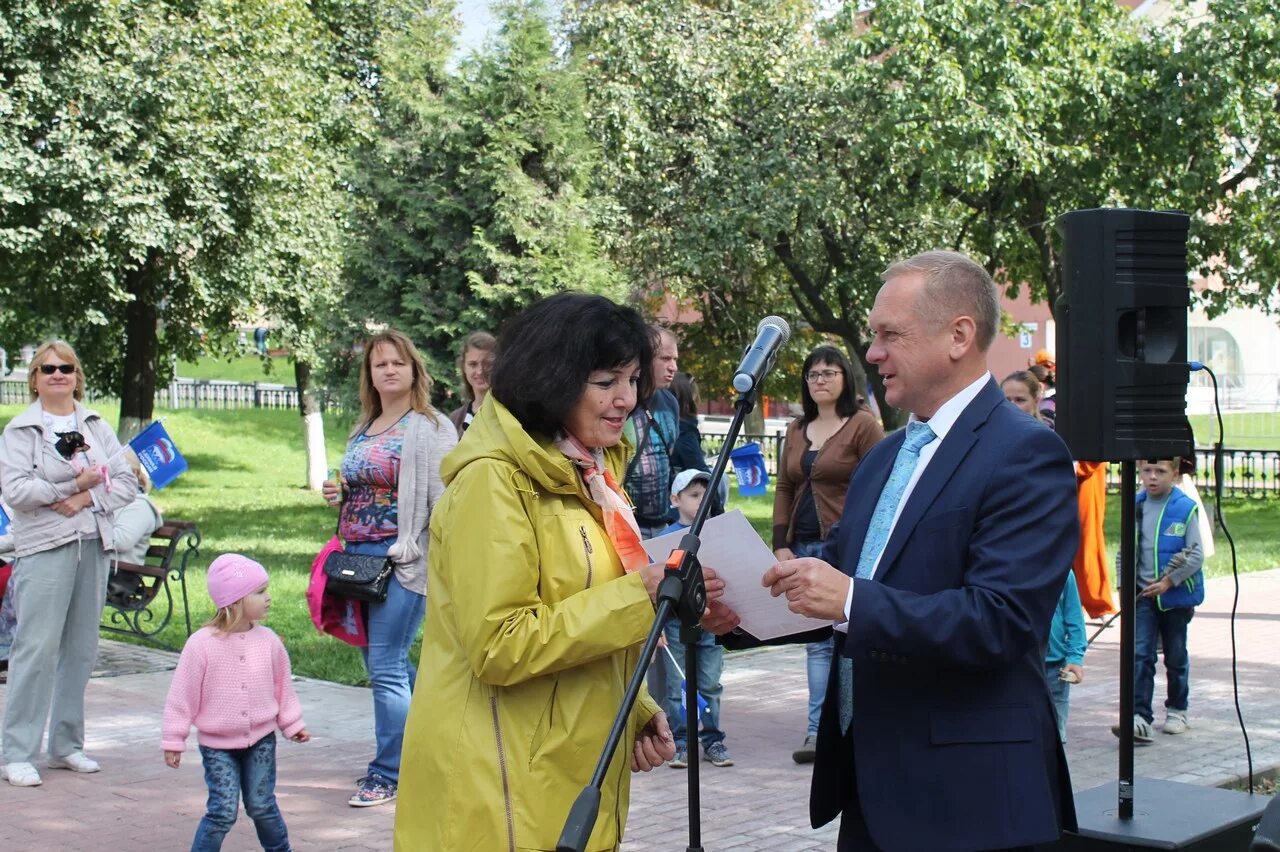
4	521
684	697
748	466
684	689
160	458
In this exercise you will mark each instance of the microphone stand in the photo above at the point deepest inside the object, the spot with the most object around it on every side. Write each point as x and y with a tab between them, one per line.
681	593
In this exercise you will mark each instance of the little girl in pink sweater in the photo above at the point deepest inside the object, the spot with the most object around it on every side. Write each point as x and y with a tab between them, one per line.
234	684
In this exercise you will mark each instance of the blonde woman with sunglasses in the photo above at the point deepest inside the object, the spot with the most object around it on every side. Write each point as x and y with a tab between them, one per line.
62	473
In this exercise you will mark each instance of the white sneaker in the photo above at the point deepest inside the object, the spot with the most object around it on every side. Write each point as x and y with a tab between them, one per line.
1142	734
1175	722
20	774
76	762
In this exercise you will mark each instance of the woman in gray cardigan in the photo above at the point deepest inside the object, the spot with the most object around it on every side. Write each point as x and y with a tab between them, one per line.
390	480
62	473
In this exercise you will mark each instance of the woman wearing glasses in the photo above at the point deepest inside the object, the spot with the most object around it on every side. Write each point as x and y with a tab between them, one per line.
821	450
64	476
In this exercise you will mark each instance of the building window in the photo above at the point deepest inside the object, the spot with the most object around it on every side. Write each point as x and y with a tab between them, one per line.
1216	348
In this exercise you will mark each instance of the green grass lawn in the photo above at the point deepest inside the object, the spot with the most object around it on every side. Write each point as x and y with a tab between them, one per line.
244	489
1253	430
247	368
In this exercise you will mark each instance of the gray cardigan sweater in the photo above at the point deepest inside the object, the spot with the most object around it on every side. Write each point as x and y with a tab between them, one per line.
417	492
33	477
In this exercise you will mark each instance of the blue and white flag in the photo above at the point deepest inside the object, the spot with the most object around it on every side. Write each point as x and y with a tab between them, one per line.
748	466
703	706
160	458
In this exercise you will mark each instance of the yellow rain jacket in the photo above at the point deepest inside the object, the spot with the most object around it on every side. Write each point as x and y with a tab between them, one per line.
532	630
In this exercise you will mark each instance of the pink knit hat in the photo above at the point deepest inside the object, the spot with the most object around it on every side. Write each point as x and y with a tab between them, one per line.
233	577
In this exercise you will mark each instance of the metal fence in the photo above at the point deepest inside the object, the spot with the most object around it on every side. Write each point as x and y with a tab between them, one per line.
1249	473
1245	473
198	393
212	393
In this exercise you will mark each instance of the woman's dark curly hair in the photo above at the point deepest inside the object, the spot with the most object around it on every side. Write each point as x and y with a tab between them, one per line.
547	352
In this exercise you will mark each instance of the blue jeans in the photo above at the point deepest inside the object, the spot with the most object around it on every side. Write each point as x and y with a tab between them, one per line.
661	678
227	774
710	667
392	626
818	653
1171	625
1060	692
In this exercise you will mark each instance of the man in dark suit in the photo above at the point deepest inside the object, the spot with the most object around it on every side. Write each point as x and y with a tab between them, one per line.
938	732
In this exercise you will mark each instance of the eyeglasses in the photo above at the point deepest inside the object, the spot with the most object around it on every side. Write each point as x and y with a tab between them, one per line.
50	369
825	375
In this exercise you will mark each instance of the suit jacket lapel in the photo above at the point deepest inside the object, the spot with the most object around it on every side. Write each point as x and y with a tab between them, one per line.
960	439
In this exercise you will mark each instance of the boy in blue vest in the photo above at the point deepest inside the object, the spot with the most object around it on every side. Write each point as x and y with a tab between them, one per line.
1171	577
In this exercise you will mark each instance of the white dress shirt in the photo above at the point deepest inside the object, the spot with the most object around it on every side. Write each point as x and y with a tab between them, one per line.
941	422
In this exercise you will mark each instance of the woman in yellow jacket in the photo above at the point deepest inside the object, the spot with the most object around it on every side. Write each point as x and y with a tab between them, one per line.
538	597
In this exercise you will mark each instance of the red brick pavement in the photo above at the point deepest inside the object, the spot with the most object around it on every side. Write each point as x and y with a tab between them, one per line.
758	804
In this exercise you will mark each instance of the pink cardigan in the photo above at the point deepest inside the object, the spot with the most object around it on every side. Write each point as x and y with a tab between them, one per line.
235	688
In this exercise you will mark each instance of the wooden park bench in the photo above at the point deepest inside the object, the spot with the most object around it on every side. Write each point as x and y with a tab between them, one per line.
141	598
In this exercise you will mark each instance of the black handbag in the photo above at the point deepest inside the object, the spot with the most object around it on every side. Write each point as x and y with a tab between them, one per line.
357	576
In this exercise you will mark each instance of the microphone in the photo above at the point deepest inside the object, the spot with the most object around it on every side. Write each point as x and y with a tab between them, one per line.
771	333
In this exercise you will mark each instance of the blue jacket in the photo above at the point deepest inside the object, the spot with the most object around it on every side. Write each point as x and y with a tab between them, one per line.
954	743
1066	633
1179	511
675	526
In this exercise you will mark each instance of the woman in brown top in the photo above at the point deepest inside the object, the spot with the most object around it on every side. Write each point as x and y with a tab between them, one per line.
821	450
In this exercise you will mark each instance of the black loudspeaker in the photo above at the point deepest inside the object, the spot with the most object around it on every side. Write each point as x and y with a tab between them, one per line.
1122	334
1166	816
1267	838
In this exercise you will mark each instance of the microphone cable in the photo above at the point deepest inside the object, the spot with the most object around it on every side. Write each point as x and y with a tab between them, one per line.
1235	572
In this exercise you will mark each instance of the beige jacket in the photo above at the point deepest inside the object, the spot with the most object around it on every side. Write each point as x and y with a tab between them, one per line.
33	477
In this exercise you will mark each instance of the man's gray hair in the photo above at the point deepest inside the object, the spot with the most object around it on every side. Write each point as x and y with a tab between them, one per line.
953	286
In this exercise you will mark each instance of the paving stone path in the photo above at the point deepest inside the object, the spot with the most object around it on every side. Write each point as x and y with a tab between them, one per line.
758	804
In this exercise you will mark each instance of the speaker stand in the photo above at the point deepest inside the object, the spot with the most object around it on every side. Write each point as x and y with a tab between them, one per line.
1167	815
1147	813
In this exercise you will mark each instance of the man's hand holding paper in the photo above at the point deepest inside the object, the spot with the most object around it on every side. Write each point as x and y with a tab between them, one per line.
741	559
813	588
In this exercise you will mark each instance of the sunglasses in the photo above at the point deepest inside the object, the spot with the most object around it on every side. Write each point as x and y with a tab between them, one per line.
50	369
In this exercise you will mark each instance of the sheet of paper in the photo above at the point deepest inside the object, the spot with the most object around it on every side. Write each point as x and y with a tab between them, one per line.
732	547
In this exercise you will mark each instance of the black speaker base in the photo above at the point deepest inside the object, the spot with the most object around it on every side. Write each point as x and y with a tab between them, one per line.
1166	815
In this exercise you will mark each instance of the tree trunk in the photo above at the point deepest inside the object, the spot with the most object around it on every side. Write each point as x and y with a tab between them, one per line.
141	350
753	423
312	426
891	418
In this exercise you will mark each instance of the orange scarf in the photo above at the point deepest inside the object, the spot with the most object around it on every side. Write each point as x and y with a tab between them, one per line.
619	520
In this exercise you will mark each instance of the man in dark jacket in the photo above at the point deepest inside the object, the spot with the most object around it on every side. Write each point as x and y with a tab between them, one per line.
938	730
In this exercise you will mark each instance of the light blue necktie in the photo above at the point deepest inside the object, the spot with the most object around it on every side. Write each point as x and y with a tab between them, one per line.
918	435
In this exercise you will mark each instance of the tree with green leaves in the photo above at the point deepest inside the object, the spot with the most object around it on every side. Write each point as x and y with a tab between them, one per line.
478	188
763	152
166	166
